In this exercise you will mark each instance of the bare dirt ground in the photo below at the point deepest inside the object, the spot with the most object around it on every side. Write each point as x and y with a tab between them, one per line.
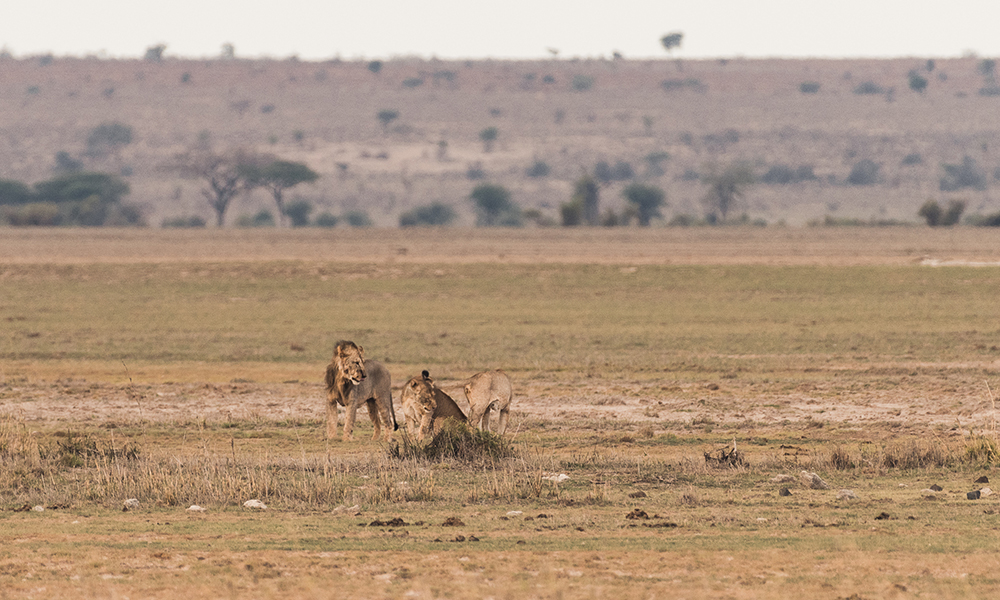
849	394
921	401
779	246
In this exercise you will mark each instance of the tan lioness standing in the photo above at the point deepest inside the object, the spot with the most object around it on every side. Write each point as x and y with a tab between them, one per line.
425	406
485	391
352	380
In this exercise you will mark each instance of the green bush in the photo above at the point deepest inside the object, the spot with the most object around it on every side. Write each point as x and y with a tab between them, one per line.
14	192
931	212
36	214
488	136
571	213
192	222
672	85
917	82
358	218
965	174
435	214
647	200
986	221
620	171
784	174
868	88
538	169
387	116
326	219
809	87
74	187
65	163
298	211
582	83
938	217
263	218
494	207
108	138
864	172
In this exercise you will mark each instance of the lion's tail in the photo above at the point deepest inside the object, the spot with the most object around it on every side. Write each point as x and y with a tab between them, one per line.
392	413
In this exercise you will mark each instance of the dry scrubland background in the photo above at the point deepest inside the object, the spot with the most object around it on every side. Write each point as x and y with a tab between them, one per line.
324	113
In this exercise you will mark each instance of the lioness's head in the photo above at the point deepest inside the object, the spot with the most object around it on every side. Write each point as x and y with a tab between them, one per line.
420	391
350	359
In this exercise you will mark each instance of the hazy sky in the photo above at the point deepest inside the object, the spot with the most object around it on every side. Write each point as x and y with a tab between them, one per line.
321	29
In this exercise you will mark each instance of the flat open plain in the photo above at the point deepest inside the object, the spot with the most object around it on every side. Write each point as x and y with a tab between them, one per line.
866	355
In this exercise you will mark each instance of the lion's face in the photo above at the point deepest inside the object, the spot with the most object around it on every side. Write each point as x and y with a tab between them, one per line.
351	362
419	393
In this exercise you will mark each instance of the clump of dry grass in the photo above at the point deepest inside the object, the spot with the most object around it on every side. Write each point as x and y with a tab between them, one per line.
73	468
904	455
456	441
982	450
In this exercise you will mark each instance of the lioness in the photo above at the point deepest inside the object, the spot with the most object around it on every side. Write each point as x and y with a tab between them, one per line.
487	390
425	405
350	381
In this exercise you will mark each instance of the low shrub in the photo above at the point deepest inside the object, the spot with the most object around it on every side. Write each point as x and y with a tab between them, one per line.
183	222
357	218
326	219
435	214
867	88
864	172
455	441
37	214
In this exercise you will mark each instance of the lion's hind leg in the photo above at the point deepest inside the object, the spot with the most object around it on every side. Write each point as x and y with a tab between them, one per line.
486	419
376	419
502	420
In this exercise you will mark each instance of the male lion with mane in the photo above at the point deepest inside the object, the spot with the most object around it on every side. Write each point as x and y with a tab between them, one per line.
352	380
486	391
425	406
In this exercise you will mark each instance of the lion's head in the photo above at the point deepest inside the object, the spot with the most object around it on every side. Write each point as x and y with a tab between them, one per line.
419	393
350	360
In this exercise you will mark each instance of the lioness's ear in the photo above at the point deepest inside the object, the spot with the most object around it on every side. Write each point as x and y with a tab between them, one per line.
361	351
426	374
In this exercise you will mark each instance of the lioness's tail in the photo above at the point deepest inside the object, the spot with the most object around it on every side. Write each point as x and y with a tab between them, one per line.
392	413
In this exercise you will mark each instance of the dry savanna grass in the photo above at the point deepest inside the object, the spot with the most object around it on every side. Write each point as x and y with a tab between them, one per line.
671	403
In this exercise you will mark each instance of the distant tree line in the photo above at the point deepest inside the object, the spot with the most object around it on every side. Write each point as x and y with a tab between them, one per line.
80	198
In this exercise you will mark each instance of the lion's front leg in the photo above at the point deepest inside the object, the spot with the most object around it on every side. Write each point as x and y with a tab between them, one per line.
476	416
426	424
331	420
351	414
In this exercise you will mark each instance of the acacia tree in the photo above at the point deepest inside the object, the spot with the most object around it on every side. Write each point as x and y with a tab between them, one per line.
387	116
488	137
494	207
108	138
223	175
671	41
647	200
584	205
277	176
725	187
